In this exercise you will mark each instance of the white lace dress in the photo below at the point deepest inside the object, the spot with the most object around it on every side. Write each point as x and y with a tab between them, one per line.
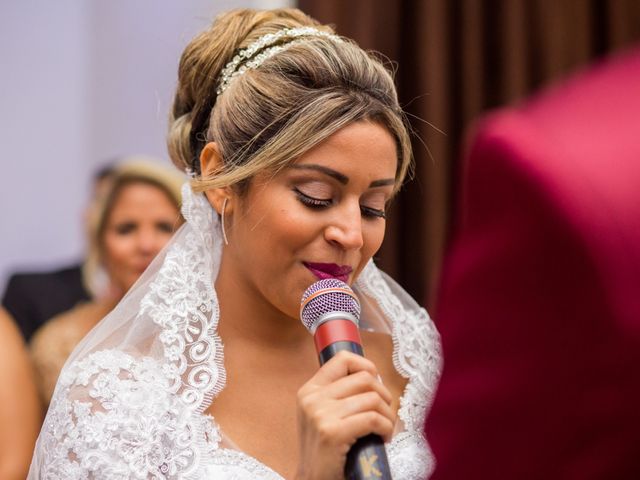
130	401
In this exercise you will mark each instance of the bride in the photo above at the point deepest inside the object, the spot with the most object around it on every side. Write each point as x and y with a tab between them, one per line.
295	143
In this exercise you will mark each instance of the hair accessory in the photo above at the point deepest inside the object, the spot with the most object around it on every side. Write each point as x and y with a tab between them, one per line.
251	61
224	233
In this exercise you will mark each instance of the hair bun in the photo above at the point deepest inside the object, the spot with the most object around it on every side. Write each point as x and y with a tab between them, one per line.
200	66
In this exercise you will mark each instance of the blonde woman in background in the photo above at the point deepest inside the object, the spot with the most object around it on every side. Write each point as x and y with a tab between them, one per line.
20	413
296	143
133	217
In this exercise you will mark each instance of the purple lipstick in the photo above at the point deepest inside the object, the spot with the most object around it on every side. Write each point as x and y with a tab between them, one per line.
329	270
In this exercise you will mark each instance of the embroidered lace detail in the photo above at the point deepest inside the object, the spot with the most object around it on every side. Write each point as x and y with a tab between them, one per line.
116	418
235	465
212	435
410	457
183	302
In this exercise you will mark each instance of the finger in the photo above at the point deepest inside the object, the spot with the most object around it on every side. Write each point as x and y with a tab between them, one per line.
364	423
341	365
363	402
356	383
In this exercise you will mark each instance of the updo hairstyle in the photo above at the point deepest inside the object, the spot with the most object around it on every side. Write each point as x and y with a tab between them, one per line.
271	115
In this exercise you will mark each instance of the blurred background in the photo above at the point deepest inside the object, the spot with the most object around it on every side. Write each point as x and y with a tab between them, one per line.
84	82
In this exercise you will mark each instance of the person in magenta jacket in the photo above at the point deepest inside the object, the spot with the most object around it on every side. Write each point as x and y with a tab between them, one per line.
539	303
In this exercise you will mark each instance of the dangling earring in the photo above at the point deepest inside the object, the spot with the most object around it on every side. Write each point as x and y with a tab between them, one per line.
224	233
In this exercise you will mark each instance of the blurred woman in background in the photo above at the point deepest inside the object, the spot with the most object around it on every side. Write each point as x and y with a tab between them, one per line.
20	414
129	223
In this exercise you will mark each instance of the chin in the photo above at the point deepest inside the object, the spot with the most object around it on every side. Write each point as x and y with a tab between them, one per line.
290	305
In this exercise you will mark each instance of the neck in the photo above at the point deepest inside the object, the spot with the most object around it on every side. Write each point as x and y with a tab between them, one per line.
245	314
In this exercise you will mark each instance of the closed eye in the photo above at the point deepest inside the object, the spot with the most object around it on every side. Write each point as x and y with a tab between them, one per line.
320	203
372	212
312	202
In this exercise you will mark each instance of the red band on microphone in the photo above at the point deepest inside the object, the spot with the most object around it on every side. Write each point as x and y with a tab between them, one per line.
337	330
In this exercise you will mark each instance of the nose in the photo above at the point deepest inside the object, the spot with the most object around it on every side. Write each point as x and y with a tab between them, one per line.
149	242
345	228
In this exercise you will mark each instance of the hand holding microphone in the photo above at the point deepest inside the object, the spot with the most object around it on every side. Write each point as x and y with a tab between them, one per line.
344	409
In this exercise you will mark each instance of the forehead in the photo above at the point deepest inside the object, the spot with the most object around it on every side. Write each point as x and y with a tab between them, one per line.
134	189
362	148
139	196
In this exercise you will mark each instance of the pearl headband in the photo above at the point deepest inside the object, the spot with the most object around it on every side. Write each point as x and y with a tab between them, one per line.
247	59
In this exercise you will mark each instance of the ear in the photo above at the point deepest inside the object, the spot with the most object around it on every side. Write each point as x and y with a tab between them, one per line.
210	162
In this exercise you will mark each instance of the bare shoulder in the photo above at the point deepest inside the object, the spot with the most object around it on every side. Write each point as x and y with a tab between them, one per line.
20	412
58	336
70	325
10	337
52	329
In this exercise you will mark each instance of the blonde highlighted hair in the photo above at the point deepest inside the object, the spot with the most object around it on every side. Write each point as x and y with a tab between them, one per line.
271	115
134	169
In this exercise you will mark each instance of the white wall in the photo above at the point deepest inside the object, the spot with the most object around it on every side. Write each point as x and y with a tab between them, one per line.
81	82
43	149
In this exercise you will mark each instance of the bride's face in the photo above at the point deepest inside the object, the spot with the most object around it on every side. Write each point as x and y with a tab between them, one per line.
321	217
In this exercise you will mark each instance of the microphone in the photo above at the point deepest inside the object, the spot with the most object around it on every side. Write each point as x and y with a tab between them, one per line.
330	310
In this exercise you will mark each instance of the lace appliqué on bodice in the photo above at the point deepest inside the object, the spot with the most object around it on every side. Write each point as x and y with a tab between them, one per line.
116	419
136	411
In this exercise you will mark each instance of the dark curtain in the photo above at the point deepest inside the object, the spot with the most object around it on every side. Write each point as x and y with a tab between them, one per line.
454	60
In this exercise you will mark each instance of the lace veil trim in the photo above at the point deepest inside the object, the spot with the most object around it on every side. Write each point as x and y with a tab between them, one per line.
184	304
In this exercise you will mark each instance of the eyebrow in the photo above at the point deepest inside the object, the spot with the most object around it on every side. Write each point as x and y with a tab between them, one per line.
382	183
343	179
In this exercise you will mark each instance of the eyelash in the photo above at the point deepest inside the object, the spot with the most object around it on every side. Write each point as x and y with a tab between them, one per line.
317	203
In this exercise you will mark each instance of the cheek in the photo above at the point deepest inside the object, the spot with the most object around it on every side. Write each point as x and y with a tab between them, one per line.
281	227
298	225
373	235
117	250
282	233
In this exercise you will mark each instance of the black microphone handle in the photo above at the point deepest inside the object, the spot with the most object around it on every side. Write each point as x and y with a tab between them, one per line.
367	458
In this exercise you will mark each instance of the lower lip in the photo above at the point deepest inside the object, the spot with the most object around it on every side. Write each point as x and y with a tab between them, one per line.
322	275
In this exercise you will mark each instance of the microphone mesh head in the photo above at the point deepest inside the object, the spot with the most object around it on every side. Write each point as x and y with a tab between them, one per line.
324	296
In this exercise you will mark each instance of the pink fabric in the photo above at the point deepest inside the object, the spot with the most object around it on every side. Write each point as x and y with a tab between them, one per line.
539	305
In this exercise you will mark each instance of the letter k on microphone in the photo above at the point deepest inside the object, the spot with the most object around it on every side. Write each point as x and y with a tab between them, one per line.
368	465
